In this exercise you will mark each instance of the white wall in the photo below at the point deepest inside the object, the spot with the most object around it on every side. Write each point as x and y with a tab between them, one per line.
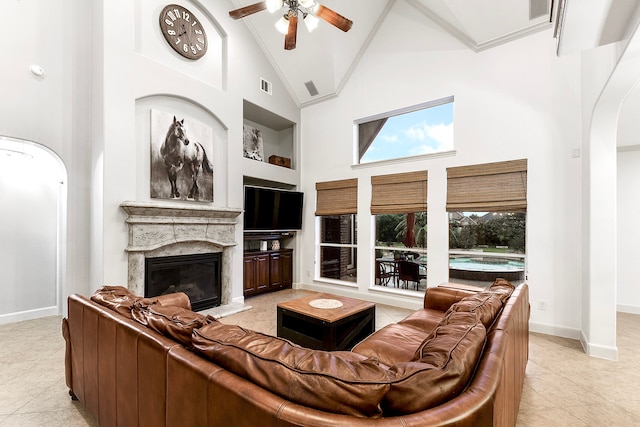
141	73
33	185
53	110
104	61
628	298
514	101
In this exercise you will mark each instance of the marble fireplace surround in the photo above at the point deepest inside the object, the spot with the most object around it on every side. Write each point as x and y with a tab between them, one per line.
158	229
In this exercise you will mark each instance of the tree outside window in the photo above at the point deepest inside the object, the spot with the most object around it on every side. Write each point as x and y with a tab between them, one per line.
400	237
486	245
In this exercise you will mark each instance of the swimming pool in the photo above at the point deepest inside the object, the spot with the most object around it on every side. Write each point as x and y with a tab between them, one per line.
485	268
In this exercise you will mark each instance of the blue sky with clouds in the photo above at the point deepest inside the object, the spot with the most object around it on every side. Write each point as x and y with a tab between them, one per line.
423	131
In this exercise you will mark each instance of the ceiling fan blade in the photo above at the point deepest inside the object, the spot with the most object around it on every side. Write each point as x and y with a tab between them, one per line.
248	10
333	18
290	38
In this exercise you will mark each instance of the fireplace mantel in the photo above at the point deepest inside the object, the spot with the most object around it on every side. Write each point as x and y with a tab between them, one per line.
164	229
153	225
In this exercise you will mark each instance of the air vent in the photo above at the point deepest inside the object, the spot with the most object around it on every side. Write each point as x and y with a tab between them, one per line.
538	8
311	88
265	86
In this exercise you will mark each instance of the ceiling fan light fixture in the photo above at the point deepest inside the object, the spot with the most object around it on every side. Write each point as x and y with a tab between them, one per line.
310	11
274	5
283	25
311	22
307	4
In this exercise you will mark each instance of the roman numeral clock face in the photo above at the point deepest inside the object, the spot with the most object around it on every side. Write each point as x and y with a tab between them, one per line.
183	32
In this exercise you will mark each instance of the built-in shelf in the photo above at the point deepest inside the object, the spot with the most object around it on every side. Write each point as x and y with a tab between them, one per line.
277	133
269	235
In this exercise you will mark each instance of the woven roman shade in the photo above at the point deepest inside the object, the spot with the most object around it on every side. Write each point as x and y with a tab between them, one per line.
489	187
399	193
337	197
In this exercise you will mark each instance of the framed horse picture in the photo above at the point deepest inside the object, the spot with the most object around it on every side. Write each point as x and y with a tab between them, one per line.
181	150
252	143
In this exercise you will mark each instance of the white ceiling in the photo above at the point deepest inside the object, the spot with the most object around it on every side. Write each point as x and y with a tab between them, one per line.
327	56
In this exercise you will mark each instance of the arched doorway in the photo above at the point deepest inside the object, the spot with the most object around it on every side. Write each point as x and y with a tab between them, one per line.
32	218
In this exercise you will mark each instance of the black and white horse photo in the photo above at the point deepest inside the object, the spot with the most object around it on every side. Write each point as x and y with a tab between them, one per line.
182	166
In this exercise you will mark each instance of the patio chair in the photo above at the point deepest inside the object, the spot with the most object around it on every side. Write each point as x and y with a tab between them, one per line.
385	272
409	272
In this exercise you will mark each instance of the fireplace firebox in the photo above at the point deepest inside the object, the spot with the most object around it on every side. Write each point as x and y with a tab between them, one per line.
198	275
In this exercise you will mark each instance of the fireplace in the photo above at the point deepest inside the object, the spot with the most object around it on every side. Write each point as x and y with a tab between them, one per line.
165	230
197	275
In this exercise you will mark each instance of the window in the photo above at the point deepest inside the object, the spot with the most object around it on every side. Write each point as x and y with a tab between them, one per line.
401	237
487	222
336	208
486	245
338	247
422	129
399	203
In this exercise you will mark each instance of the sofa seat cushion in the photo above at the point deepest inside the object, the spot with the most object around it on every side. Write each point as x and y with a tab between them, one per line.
340	382
442	368
392	344
173	322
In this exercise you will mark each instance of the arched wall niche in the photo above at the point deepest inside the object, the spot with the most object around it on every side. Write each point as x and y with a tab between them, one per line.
33	182
181	108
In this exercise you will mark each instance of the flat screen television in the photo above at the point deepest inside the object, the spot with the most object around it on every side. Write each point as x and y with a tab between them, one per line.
272	209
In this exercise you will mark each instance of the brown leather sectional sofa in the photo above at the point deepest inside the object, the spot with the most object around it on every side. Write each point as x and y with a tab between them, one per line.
459	361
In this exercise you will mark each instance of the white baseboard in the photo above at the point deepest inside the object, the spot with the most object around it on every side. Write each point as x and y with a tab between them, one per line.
595	350
559	331
600	351
28	315
631	309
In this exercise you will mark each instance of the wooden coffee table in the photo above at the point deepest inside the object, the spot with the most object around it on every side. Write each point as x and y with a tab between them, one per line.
326	328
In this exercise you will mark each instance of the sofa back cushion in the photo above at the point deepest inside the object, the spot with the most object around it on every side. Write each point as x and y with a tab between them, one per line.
486	305
502	288
340	382
176	323
121	300
117	298
441	368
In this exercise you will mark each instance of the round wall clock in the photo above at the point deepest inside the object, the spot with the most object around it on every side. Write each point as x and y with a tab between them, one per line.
183	31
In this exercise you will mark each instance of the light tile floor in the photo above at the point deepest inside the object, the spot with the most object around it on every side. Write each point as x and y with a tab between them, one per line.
563	386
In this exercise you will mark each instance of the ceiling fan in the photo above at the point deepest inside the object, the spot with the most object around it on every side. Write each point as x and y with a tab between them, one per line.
288	24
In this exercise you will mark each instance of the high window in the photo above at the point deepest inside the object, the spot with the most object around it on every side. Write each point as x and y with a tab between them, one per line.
399	203
413	131
336	208
487	206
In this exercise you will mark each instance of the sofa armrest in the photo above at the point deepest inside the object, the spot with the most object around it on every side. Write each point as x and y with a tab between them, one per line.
441	298
67	353
176	299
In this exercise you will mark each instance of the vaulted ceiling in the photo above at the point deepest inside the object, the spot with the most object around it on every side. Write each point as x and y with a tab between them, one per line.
327	56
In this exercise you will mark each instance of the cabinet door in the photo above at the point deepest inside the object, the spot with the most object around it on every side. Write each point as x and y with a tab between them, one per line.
256	274
262	272
249	280
275	264
286	264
